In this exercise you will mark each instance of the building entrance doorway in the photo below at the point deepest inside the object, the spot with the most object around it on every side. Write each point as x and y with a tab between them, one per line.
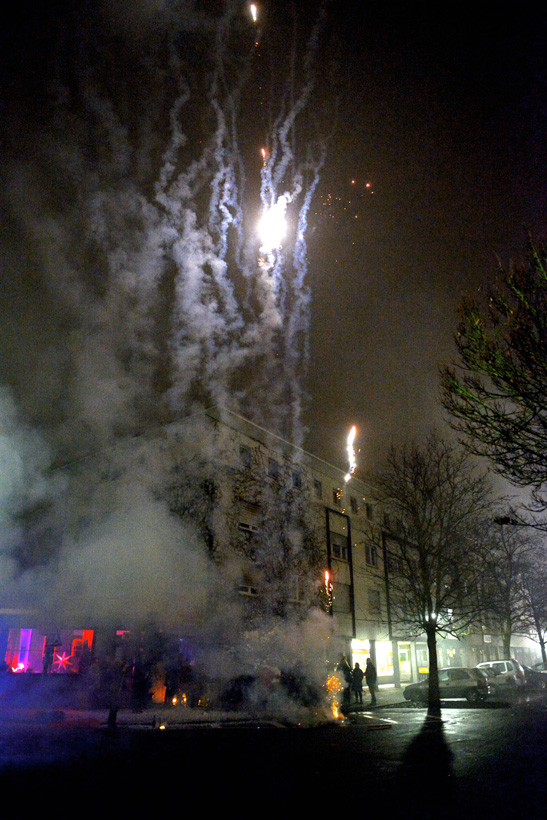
405	666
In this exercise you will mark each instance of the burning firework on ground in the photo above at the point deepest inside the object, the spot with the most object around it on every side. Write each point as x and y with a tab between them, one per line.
334	687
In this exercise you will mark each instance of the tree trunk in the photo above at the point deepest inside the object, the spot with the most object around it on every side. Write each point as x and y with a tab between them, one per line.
434	696
507	644
541	638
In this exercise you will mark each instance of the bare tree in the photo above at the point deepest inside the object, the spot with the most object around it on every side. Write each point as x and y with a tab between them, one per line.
535	589
504	560
434	496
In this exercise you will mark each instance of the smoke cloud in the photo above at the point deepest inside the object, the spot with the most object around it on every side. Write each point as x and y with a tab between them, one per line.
134	290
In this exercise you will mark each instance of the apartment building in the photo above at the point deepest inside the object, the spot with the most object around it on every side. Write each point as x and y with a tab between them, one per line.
287	534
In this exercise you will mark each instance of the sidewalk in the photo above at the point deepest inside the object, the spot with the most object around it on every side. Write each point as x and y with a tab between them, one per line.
156	716
386	695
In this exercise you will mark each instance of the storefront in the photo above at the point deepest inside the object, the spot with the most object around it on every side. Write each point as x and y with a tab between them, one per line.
63	652
382	654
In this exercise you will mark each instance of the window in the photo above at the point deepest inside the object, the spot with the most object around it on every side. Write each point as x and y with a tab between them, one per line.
297	595
339	546
248	584
394	563
273	468
371	555
249	519
374	602
354	506
317	488
296	480
369	511
341	598
247	529
338	534
337	497
245	455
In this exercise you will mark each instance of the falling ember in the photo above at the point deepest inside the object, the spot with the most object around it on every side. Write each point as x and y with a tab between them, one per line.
334	687
351	454
253	12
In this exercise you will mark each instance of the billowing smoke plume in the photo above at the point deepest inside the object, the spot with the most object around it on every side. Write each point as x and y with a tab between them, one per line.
136	286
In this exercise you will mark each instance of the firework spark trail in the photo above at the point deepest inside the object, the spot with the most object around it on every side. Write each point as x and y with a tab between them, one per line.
129	210
135	233
351	454
216	334
284	290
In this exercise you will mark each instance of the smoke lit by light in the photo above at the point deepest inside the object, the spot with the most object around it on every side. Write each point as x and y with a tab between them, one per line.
128	351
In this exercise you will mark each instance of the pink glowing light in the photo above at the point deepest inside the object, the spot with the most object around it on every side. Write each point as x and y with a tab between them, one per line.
62	661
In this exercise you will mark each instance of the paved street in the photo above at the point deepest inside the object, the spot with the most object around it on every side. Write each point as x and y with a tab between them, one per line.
488	761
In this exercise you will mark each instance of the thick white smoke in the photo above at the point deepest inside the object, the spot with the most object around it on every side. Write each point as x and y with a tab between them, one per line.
135	291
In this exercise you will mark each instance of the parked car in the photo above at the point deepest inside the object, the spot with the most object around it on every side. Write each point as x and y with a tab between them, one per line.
504	674
540	667
455	683
535	678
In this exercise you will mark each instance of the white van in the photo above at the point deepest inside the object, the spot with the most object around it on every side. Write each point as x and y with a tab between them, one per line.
503	674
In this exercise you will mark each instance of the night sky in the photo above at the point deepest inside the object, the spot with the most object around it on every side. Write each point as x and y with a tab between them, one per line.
435	170
445	112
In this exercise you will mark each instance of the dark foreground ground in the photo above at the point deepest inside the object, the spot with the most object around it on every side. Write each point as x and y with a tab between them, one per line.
488	762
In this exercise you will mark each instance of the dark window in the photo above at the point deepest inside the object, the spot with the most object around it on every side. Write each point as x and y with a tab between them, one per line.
341	598
354	506
394	563
245	455
371	555
273	468
317	488
339	546
374	602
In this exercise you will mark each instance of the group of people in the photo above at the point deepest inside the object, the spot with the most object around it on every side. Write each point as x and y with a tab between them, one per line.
354	677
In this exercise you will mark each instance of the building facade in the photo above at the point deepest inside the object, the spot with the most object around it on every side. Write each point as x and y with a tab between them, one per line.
288	535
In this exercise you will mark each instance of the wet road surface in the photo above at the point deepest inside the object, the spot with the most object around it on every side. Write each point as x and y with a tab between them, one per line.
474	762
